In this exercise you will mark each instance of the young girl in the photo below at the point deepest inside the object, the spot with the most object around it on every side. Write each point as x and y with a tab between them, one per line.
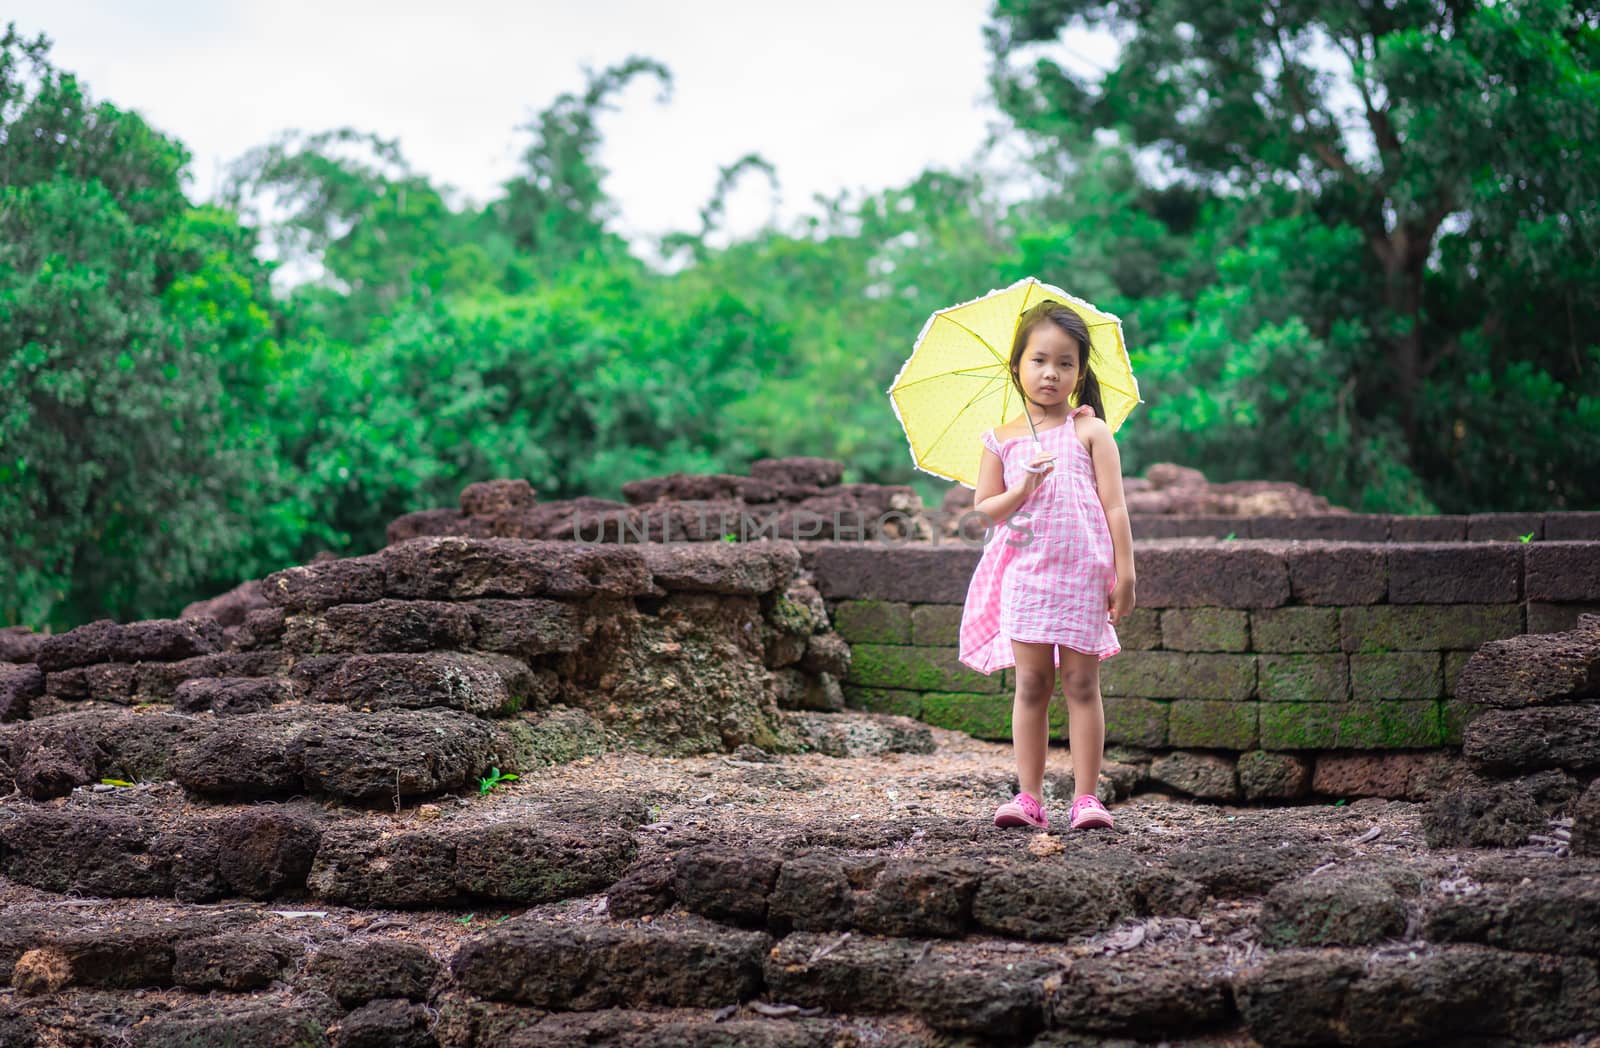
1039	597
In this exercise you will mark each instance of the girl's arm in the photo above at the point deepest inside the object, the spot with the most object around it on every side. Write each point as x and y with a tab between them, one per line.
1108	481
992	498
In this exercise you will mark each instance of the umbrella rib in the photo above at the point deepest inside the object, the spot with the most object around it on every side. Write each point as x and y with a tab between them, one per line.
934	442
943	374
981	340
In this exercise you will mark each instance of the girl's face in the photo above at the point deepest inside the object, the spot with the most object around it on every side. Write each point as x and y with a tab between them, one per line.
1049	365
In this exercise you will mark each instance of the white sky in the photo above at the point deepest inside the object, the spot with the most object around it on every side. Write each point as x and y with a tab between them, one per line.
837	95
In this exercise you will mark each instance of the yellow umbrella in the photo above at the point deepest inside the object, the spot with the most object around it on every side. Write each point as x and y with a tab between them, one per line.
957	381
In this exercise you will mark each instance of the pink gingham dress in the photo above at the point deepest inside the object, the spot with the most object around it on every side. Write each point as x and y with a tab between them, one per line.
1054	587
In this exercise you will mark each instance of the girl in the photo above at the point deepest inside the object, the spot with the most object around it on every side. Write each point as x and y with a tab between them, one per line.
1038	598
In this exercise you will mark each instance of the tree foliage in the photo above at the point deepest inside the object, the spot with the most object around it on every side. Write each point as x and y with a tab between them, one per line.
1353	246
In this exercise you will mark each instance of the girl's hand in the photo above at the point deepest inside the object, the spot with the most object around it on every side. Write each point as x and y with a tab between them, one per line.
1045	462
1121	601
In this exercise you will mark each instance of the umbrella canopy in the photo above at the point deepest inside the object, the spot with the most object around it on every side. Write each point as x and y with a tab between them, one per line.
957	381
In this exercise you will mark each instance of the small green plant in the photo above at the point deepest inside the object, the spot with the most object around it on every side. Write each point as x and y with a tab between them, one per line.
1339	803
1526	538
1230	536
730	537
493	779
467	919
116	782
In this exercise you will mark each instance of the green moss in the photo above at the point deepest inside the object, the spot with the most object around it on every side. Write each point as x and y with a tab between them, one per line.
873	622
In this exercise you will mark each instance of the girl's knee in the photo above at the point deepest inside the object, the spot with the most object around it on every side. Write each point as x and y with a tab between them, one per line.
1080	686
1034	686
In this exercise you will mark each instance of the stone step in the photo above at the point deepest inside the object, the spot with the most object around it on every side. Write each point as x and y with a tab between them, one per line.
146	845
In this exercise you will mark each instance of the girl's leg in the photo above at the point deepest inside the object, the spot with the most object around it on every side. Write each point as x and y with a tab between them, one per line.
1086	718
1030	721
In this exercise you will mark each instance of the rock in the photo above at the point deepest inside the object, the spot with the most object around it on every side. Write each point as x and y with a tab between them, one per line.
1273	776
1488	816
1201	775
723	567
527	628
355	972
385	625
44	970
163	640
685	680
228	609
478	684
1532	670
1355	997
386	1024
815	472
1557	916
465	569
392	753
1338	908
1530	739
231	695
859	734
1127	995
826	653
19	644
232	961
19	686
313	587
1049	901
491	497
258	1025
988	997
689	963
361	757
556	736
725	885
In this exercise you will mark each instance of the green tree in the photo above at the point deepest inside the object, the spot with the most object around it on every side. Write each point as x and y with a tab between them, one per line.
1453	139
122	316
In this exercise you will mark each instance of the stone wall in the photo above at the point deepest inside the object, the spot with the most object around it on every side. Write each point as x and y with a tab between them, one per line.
1294	655
415	670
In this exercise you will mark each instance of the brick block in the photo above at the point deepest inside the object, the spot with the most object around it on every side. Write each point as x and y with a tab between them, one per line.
1458	573
934	573
1504	527
1572	526
1388	725
1205	629
983	716
1398	675
1294	629
1298	725
936	624
873	621
1225	576
1135	722
1557	618
1561	571
1336	527
1337	573
917	668
1212	725
1304	678
1140	631
1442	528
1426	627
1454	663
1173	674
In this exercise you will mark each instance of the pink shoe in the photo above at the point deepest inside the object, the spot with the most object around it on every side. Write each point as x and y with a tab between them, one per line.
1089	813
1021	810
